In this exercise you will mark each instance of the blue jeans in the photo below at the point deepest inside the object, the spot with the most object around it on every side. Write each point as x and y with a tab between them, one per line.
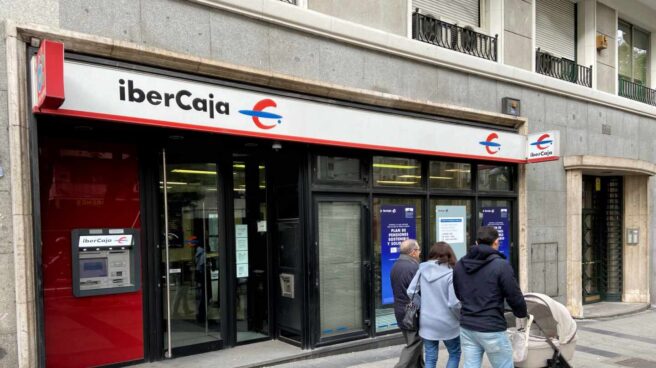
431	347
495	344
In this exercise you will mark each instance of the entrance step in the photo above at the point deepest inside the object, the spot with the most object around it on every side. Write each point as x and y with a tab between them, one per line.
612	309
271	353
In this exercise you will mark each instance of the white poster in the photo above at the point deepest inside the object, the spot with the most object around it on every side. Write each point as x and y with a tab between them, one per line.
451	229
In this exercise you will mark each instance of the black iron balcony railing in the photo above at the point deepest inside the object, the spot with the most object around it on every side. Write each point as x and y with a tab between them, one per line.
636	92
289	1
561	68
428	29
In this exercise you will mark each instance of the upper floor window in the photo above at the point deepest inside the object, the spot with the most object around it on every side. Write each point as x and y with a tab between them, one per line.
461	12
555	30
632	53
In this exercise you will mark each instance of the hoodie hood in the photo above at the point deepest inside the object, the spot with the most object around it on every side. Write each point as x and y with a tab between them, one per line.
479	256
431	271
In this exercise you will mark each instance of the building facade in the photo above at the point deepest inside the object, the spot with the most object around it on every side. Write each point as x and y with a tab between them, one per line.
245	169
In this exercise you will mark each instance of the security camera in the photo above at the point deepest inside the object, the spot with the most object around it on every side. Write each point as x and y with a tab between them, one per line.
276	146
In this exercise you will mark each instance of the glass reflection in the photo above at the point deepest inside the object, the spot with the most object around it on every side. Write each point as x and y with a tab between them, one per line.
397	172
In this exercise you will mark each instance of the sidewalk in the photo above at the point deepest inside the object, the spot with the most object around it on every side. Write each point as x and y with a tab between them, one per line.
627	341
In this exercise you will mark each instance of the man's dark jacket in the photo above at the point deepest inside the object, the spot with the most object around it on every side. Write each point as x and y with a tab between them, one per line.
482	280
403	271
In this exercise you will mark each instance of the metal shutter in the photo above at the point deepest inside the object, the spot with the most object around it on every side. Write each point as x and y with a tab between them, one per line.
463	12
556	27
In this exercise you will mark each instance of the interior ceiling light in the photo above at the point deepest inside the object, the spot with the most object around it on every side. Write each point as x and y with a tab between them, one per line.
441	177
239	166
458	170
199	172
394	166
173	183
396	182
410	176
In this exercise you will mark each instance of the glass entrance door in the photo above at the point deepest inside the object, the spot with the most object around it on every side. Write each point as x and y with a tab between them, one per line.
189	254
602	239
251	249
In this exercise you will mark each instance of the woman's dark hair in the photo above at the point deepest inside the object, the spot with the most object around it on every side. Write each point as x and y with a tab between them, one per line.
442	253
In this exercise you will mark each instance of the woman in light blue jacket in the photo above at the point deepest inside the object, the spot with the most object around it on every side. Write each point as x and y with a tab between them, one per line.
439	309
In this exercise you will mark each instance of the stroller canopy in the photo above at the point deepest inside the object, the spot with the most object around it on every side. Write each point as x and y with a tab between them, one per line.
552	316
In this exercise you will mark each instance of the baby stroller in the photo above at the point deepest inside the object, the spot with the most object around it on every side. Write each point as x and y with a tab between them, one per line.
551	333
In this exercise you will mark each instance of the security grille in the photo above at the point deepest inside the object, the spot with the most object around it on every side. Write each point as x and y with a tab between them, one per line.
462	12
555	30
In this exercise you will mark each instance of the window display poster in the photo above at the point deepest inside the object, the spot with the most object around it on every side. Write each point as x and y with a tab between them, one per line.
241	242
397	223
499	217
451	227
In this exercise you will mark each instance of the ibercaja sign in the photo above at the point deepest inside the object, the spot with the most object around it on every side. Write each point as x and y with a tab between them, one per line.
49	75
543	146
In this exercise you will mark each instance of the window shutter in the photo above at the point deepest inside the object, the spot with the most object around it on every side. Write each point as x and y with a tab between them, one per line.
556	27
463	12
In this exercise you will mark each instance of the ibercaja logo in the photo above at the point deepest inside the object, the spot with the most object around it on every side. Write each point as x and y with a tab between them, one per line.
258	114
490	144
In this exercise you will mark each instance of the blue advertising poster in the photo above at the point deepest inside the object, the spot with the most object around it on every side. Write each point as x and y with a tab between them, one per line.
451	227
499	217
397	223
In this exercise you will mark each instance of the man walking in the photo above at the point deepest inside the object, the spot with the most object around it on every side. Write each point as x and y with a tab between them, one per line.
403	271
482	280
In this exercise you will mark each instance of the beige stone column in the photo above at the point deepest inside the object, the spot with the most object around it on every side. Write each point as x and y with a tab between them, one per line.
574	294
636	257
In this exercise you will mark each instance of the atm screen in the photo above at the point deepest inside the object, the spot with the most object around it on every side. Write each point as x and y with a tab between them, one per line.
93	267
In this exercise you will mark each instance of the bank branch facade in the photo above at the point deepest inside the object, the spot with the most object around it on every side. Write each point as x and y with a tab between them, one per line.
261	213
171	194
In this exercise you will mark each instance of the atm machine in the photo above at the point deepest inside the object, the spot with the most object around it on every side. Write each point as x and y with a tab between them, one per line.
105	261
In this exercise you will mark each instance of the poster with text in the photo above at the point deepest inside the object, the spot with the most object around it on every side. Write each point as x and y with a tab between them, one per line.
397	223
499	217
451	227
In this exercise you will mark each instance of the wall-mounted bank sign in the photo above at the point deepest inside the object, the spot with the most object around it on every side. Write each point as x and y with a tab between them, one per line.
48	75
128	96
112	93
543	146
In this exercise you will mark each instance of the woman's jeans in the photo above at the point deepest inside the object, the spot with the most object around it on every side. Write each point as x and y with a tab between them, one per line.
495	344
431	347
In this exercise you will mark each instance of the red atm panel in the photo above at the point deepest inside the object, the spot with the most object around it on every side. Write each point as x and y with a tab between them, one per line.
87	184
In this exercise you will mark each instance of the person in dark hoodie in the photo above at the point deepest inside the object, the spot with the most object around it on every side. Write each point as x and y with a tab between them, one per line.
482	280
401	275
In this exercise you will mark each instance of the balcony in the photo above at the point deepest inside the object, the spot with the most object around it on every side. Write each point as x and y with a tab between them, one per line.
563	69
428	29
636	92
293	2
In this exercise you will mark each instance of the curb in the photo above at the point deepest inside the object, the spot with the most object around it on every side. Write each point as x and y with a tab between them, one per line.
640	309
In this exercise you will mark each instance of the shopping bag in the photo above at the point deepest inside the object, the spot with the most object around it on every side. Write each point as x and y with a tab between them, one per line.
519	339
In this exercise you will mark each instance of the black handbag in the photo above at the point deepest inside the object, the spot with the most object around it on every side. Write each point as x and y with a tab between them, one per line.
411	317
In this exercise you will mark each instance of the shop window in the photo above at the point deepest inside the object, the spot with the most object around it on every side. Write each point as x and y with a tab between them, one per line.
406	220
397	172
449	175
494	177
338	169
450	221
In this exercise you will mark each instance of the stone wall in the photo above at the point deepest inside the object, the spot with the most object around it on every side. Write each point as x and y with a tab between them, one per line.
518	33
387	15
606	59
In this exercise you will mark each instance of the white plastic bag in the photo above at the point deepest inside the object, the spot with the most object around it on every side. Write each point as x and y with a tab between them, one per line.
519	339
